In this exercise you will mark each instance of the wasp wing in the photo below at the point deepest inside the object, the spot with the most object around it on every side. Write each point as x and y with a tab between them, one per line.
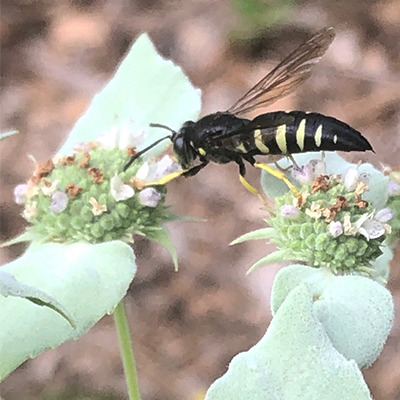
286	76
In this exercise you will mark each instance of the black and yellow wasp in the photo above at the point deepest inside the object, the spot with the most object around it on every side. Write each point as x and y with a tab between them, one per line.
224	137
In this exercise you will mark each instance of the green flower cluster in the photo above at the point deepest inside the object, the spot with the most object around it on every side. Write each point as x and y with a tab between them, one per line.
331	227
87	197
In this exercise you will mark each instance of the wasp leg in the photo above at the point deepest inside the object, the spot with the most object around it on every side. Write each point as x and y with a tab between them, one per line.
173	175
280	175
194	170
291	158
247	185
167	178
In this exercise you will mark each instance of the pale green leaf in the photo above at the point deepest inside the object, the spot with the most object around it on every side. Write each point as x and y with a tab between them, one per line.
264	233
356	312
294	360
88	280
27	236
274	257
162	236
382	264
4	135
145	89
9	286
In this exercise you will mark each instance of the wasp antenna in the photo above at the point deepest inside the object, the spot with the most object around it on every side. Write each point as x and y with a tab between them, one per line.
141	152
163	126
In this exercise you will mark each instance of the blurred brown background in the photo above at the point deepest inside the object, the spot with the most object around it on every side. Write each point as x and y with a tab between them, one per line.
187	326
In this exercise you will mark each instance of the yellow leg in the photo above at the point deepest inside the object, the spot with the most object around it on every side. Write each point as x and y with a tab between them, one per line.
254	190
280	175
167	178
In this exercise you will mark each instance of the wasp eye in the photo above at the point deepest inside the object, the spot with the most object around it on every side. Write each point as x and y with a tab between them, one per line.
183	152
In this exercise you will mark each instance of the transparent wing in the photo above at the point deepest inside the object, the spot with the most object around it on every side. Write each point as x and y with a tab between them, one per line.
286	76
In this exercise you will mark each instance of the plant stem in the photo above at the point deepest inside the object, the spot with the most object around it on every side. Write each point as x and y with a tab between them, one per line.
125	345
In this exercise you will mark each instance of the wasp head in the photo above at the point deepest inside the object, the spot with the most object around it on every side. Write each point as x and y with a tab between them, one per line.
183	149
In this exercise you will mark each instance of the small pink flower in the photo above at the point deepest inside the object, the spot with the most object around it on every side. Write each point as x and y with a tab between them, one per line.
307	173
150	197
151	172
393	188
384	215
59	201
289	211
21	193
335	228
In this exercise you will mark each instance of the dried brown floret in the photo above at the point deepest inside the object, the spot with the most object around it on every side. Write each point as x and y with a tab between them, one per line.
131	151
69	160
73	190
97	174
321	183
84	163
42	170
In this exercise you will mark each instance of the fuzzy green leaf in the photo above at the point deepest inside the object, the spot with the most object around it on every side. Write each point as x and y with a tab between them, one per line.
276	256
162	236
5	135
356	312
145	89
264	233
9	286
88	280
294	360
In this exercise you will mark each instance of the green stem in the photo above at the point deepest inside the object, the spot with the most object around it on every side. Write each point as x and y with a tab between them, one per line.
125	345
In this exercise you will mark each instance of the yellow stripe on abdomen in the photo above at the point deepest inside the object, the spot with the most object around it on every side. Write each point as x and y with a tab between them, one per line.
300	134
259	142
280	138
318	136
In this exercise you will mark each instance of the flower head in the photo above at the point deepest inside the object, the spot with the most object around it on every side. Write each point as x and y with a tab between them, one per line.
87	196
334	226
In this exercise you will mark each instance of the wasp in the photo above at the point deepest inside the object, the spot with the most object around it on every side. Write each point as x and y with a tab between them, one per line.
225	137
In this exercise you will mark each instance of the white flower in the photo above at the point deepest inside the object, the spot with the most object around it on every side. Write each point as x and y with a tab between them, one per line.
122	135
149	197
372	229
30	210
49	190
119	190
21	193
315	211
307	173
152	172
289	211
352	229
351	179
368	225
335	228
97	208
59	201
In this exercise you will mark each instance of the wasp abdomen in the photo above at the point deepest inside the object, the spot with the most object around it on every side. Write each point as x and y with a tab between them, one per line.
297	132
